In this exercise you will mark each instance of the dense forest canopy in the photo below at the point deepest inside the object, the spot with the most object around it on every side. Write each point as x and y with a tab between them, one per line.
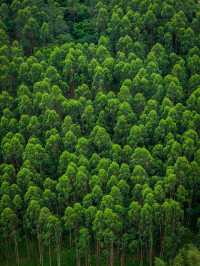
99	132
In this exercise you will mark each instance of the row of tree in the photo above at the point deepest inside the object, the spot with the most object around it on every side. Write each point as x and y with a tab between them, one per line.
99	131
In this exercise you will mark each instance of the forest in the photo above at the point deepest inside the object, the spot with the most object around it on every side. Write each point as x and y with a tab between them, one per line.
99	133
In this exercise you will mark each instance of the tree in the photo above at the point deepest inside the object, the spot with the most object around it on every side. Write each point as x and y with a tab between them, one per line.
13	147
88	119
45	34
189	255
107	226
121	130
53	149
172	217
51	119
70	141
146	217
134	219
81	185
84	244
41	228
102	18
30	34
142	157
101	139
73	219
136	136
138	103
36	154
9	230
54	231
139	175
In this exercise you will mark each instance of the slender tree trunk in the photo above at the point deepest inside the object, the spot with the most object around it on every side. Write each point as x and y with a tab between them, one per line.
89	257
58	240
86	258
50	260
42	258
151	249
27	247
122	258
58	258
111	254
40	249
97	253
16	249
70	238
161	237
141	252
161	246
77	257
7	255
117	253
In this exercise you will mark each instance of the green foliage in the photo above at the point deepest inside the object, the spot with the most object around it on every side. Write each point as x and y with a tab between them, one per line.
99	132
